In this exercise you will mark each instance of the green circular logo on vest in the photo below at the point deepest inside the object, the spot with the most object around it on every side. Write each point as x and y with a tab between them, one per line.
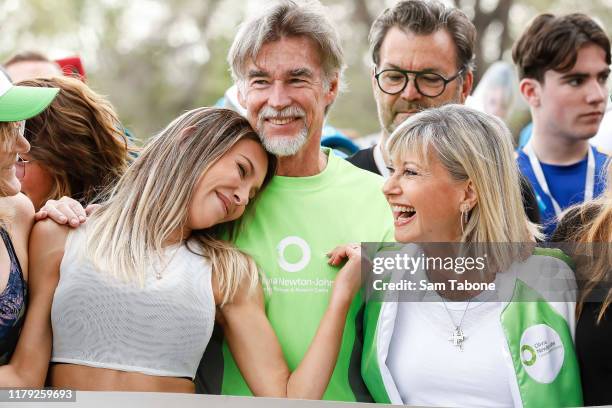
527	350
542	353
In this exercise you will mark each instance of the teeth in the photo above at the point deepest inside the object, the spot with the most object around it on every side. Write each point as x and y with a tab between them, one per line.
280	121
401	208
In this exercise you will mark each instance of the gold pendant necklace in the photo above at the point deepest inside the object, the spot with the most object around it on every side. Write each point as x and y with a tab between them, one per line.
158	273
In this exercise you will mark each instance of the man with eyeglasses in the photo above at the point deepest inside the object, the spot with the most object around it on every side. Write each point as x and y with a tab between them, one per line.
423	57
422	54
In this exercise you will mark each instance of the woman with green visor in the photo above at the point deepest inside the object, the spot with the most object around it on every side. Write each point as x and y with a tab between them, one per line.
17	103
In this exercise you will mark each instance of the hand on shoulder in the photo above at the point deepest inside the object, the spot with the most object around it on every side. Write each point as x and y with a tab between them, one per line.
66	210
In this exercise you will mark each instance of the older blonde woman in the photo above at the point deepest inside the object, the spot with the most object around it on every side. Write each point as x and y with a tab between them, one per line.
454	184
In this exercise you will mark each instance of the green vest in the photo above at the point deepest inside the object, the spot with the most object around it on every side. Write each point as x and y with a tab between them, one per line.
539	342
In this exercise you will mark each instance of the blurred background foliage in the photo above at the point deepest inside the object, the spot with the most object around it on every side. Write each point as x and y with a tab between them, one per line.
155	59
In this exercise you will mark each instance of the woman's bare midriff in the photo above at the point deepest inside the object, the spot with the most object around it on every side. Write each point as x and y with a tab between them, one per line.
83	378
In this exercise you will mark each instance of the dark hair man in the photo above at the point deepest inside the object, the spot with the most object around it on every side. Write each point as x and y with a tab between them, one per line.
563	64
423	57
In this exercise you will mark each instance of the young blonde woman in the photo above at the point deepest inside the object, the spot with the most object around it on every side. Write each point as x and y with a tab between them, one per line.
17	103
78	145
587	231
454	186
128	299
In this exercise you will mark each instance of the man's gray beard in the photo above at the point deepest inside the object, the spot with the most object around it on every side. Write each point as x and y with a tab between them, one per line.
284	145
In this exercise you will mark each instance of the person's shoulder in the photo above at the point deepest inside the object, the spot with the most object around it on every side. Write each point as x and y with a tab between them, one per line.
550	272
546	264
19	214
21	205
361	155
48	236
46	250
352	171
552	256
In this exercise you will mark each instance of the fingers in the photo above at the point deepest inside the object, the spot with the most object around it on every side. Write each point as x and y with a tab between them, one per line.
64	211
336	255
91	208
41	214
351	251
76	209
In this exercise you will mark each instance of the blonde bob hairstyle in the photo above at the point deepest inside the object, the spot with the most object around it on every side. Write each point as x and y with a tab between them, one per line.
151	201
474	146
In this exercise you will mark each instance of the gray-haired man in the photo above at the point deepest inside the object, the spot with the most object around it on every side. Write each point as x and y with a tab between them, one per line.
288	65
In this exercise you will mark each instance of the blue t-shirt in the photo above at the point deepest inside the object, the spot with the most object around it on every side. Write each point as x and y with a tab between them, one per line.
566	184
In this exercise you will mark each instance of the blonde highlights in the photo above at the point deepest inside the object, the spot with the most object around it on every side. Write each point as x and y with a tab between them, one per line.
150	203
593	237
476	147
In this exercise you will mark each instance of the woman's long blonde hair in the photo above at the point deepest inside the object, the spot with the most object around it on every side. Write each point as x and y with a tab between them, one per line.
474	146
151	201
593	238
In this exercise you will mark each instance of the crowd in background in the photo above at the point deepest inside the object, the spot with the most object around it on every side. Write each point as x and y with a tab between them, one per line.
225	256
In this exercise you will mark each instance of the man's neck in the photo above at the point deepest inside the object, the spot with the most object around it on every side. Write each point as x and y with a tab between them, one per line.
384	136
553	149
309	161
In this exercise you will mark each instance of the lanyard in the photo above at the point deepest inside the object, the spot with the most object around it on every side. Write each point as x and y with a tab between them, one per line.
539	174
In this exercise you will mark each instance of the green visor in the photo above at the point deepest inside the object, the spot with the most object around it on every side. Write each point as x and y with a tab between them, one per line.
22	102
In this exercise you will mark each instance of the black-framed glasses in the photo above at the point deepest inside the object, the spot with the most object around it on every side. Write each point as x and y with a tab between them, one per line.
430	84
20	167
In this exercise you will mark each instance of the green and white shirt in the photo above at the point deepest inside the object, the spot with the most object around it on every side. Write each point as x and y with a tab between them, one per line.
295	222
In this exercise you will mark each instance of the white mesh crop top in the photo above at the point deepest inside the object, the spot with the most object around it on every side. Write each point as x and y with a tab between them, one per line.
160	329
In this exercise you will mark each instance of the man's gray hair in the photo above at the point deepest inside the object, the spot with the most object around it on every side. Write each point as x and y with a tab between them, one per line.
288	18
424	17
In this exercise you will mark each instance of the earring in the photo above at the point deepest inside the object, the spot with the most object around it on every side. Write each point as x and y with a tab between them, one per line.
465	208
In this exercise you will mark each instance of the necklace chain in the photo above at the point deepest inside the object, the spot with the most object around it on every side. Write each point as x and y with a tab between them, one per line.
158	273
457	337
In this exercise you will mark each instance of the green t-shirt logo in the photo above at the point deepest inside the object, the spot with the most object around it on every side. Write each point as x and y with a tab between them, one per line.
293	254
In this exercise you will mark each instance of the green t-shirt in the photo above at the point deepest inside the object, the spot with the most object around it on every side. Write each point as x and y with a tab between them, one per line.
296	221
